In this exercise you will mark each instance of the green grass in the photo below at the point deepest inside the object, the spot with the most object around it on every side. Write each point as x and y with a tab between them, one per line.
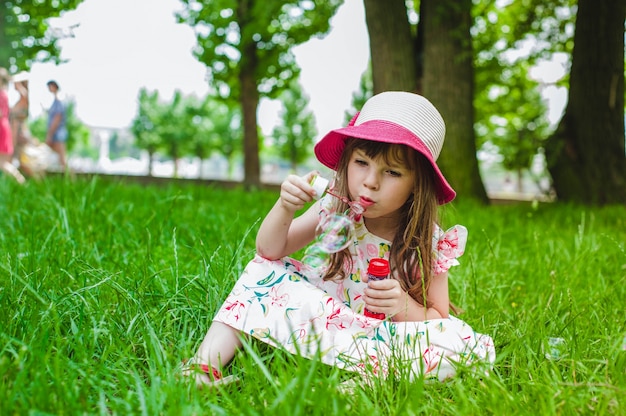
105	287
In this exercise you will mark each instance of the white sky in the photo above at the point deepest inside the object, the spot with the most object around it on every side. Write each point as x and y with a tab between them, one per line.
121	46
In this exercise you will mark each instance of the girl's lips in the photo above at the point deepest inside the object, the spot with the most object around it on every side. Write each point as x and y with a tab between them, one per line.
365	202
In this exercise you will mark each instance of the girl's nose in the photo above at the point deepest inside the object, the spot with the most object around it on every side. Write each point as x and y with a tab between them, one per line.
371	181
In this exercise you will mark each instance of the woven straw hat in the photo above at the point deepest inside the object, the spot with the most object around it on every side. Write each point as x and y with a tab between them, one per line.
393	117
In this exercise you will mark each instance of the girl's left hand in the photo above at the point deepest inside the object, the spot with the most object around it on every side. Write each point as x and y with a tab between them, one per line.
385	296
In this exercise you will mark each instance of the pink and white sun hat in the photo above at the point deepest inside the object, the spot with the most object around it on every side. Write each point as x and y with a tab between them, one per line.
393	117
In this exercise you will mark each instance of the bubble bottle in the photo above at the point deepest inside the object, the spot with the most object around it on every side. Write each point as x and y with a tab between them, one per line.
334	233
378	269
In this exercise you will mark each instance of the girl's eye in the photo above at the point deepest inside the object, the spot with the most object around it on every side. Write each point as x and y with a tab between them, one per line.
360	162
394	173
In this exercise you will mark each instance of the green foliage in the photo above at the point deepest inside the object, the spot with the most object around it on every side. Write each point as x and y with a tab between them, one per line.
176	127
144	125
511	115
509	38
359	97
38	127
121	147
246	46
254	35
221	130
25	36
78	135
538	27
293	137
187	126
108	286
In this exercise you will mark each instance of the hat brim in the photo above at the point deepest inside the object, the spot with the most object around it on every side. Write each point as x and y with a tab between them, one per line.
328	150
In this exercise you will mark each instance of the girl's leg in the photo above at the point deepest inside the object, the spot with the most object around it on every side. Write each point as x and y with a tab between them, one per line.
59	148
219	345
216	350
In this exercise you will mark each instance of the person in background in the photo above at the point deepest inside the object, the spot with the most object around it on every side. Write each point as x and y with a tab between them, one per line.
6	137
22	138
19	112
56	136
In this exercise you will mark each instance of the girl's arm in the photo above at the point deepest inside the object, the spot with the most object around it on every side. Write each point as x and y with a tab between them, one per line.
388	297
280	234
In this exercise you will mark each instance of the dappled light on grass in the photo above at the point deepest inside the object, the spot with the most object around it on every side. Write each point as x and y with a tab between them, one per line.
106	287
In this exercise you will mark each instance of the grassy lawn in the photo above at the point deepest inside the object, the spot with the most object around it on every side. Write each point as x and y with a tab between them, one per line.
105	287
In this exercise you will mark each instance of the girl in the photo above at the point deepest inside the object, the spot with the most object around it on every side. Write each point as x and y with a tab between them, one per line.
384	161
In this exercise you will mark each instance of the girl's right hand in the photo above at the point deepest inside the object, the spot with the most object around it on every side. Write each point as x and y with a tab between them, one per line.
280	233
296	191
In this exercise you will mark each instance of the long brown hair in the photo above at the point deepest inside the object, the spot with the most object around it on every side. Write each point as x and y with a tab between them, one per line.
411	251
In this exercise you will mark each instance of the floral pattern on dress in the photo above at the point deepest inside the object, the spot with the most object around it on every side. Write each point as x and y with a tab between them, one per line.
289	306
448	246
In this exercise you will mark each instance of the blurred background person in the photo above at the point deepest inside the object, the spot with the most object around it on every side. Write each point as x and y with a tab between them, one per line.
19	111
6	137
56	136
22	137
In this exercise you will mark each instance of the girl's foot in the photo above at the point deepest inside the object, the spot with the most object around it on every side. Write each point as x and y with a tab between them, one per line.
205	375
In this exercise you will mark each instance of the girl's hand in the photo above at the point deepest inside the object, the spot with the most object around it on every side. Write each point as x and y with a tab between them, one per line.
280	233
388	297
385	296
296	192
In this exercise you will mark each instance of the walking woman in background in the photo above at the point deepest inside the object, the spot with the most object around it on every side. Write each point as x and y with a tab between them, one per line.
56	137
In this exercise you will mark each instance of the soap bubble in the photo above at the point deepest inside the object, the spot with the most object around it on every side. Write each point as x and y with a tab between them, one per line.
334	234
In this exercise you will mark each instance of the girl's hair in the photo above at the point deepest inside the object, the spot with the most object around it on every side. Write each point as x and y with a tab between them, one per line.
411	257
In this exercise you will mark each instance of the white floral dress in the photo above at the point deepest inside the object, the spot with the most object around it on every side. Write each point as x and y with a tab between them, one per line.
283	304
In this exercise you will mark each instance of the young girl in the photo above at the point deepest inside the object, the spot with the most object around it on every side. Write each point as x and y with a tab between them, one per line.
384	161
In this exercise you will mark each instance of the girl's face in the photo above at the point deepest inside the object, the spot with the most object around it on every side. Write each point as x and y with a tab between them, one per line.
381	186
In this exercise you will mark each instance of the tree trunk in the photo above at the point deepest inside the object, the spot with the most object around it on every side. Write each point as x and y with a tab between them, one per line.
249	97
249	104
391	46
586	153
150	162
448	83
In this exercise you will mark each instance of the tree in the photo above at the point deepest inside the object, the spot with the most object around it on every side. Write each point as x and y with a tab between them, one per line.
229	133
121	145
359	97
392	47
186	125
175	126
510	112
511	116
293	137
438	55
218	128
586	155
201	144
449	83
25	36
246	44
144	124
